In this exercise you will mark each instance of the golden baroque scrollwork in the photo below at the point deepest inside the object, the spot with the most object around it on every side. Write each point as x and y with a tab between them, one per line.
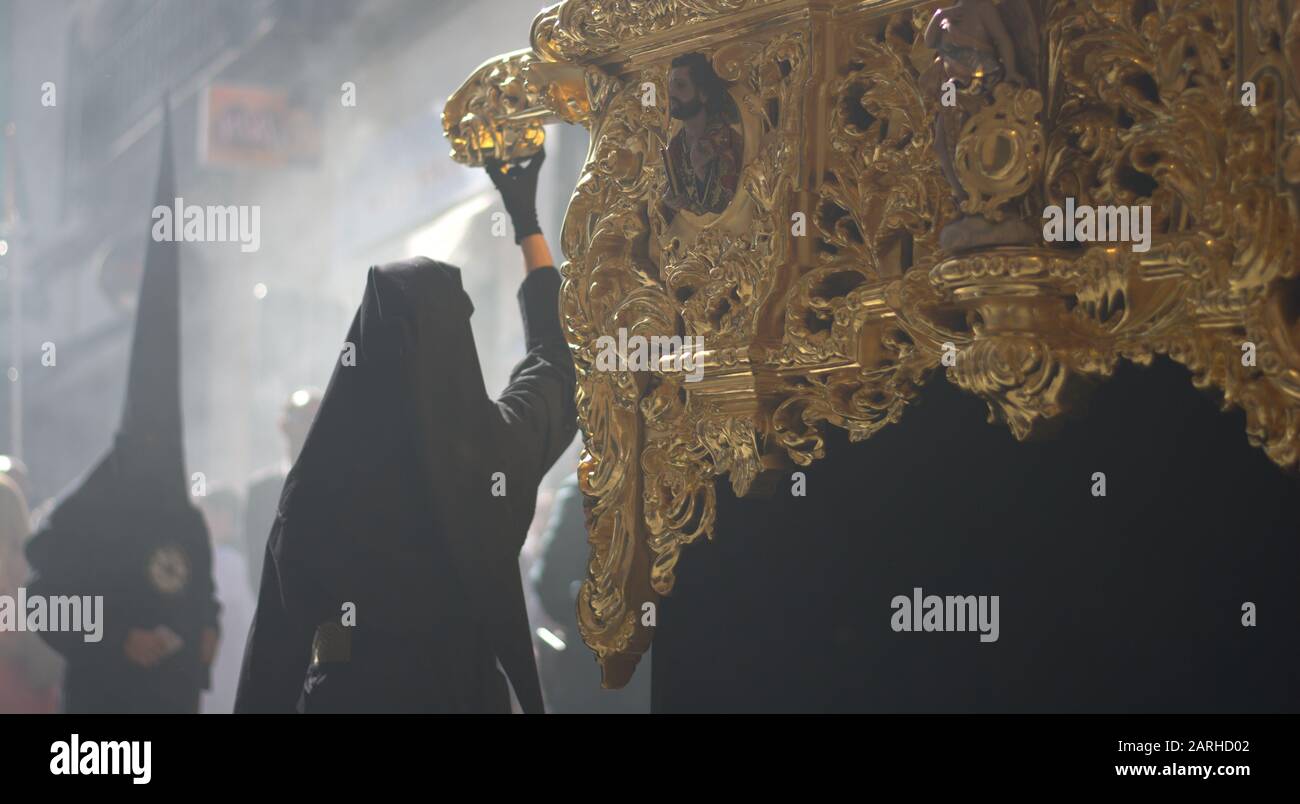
854	265
994	179
1212	168
500	109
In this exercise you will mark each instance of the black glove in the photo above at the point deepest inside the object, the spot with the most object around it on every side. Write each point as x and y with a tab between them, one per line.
517	183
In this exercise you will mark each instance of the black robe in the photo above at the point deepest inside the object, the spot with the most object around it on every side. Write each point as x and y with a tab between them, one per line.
389	511
149	556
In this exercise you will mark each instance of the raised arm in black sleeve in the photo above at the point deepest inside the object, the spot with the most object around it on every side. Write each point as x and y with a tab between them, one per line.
536	411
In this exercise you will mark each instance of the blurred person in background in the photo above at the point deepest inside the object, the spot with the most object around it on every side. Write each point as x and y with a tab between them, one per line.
29	670
230	574
264	490
129	533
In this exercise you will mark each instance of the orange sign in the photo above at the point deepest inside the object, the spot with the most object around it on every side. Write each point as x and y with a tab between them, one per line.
255	127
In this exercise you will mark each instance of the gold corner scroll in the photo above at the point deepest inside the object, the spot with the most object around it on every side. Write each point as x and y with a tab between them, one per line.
499	111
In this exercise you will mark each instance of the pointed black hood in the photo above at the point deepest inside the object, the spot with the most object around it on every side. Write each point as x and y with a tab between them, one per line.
149	439
143	473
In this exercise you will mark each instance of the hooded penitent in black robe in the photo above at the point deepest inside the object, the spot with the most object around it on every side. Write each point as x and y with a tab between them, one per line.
389	514
129	532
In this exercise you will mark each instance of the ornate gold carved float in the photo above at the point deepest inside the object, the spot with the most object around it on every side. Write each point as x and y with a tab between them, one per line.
885	232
